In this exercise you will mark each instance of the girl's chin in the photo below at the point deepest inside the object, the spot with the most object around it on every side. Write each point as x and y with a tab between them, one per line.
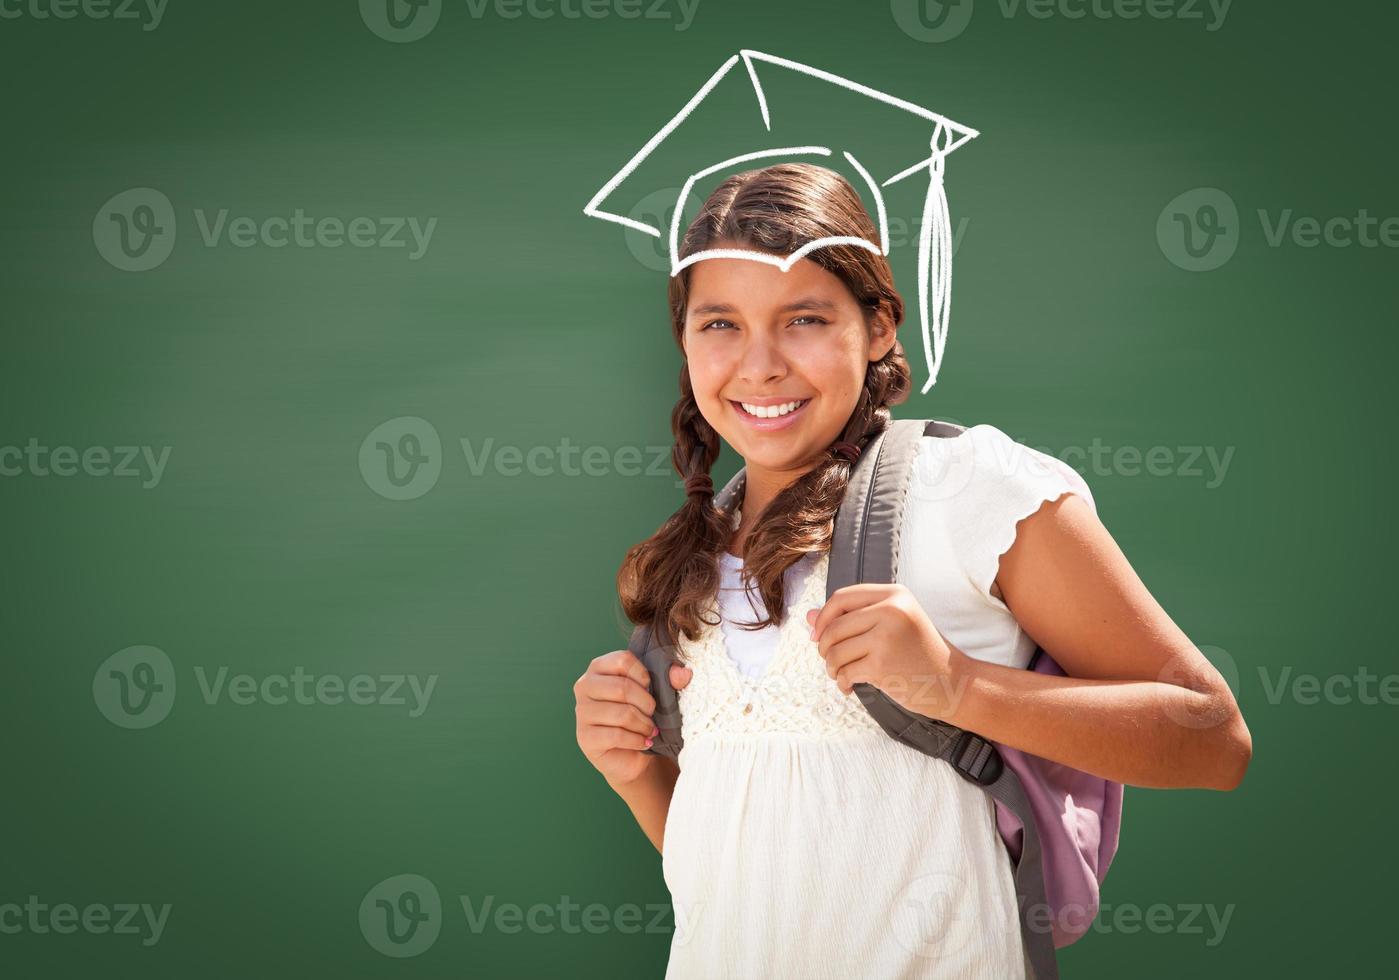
785	459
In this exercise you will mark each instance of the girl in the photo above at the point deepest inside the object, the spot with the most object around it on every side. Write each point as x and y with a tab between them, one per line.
797	838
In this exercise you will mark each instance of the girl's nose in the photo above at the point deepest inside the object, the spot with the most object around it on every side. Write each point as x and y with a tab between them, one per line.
761	363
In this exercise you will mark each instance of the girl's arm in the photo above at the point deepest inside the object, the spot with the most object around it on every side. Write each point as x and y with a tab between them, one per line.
649	795
1141	706
614	712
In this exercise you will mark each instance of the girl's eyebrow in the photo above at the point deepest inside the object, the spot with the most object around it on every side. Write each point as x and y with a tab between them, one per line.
804	303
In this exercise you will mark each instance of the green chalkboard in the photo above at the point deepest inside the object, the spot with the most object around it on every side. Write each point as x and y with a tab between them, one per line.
327	416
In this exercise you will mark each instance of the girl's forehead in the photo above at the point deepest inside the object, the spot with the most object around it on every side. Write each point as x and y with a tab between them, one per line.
747	283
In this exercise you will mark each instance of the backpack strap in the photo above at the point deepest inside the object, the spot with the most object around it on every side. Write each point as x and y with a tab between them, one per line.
865	548
655	649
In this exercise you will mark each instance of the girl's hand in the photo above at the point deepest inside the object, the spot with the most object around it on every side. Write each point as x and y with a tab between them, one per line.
614	710
879	635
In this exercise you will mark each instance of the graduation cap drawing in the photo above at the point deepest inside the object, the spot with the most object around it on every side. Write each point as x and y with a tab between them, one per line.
934	261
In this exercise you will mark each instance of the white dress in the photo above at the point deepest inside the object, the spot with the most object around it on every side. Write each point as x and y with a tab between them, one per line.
802	841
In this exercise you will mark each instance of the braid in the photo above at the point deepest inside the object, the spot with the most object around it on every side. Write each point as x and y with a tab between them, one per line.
696	444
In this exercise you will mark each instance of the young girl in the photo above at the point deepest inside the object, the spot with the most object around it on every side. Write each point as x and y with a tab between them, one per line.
797	838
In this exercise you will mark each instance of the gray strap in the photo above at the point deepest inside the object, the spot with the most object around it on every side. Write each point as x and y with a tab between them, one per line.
654	649
647	646
865	548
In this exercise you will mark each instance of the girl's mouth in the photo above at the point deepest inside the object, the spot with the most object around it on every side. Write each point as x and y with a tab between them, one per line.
772	421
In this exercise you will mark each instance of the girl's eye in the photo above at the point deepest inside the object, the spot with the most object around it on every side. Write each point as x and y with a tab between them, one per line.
724	324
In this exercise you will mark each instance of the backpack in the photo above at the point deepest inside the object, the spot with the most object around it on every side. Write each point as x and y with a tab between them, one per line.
1060	826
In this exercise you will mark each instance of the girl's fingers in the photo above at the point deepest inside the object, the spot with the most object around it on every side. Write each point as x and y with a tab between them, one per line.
847	639
680	676
622	662
597	740
852	652
622	689
620	738
614	715
847	599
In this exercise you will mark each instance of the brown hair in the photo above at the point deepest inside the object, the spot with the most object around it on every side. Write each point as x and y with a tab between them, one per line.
674	574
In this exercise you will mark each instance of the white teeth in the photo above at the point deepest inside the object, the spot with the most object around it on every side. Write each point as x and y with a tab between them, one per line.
771	411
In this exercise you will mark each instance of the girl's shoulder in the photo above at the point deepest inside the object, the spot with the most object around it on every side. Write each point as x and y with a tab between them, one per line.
969	492
982	464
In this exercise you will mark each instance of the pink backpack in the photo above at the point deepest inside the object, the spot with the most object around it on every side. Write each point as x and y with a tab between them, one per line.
1060	826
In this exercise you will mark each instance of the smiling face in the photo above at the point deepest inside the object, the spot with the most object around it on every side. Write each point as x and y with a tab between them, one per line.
759	337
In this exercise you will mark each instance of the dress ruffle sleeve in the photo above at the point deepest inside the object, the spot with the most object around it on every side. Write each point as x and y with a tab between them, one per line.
994	483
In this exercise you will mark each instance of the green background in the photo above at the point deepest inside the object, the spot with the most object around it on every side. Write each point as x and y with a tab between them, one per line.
264	548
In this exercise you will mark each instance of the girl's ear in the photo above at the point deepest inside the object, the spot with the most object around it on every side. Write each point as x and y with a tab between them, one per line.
882	334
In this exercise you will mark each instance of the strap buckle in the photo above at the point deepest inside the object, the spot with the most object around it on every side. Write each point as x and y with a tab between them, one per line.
976	759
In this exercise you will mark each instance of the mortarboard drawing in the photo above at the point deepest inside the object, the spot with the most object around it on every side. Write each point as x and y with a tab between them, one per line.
935	236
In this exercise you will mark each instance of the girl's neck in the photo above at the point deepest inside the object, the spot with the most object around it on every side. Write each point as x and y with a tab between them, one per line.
760	488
